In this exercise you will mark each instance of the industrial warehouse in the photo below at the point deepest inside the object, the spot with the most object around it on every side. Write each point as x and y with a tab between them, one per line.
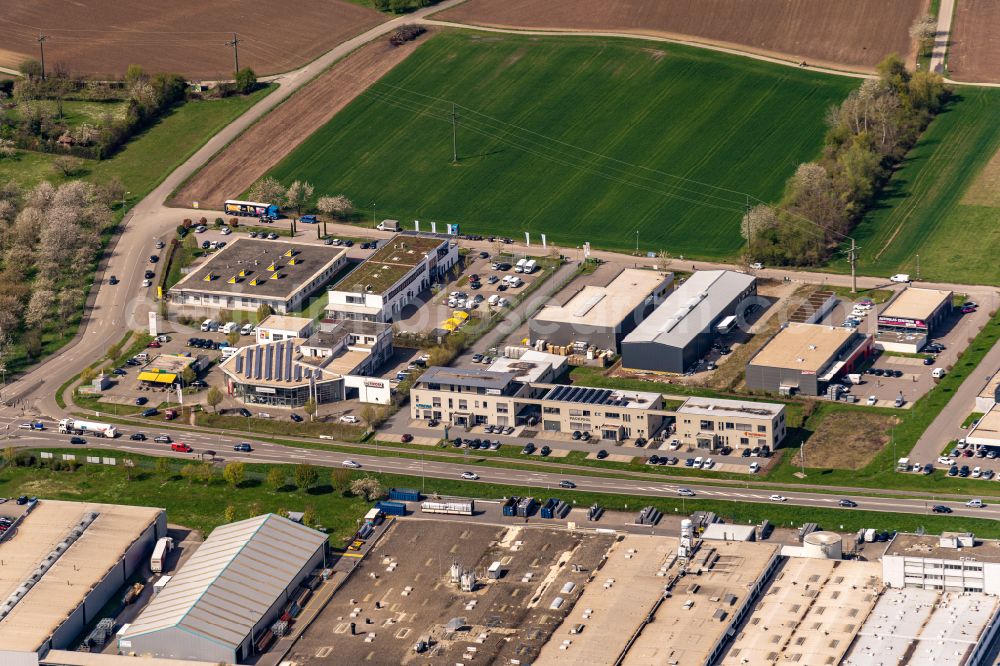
471	397
59	566
391	278
601	316
910	319
681	330
337	361
249	273
806	358
228	593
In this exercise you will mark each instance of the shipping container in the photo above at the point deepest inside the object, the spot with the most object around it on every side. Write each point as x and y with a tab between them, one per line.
510	506
392	508
163	547
460	508
526	507
404	494
374	516
495	571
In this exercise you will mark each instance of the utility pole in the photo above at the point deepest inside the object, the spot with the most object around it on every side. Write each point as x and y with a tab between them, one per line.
454	134
853	258
918	267
637	242
41	48
235	43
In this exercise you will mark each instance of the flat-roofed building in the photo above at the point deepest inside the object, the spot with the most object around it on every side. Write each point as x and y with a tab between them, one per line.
809	614
472	397
927	628
338	361
228	593
275	328
249	273
951	562
806	358
601	316
712	423
62	564
986	432
680	331
907	321
990	395
532	366
391	278
167	369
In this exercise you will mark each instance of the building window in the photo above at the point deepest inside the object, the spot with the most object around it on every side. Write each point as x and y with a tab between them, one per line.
706	425
761	428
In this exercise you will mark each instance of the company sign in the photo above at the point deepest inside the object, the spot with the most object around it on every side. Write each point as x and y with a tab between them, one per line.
421	406
905	323
376	384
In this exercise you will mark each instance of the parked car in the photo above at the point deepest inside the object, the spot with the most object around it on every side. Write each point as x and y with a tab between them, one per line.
349	418
528	449
245	412
545	450
152	411
295	417
141	400
406	438
602	454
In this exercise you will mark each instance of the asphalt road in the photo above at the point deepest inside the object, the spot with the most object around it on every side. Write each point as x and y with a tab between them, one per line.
266	453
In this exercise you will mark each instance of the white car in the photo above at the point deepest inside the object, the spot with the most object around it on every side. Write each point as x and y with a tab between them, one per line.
25	426
226	231
754	467
709	464
685	492
147	283
263	415
943	460
470	476
901	278
778	498
349	418
975	503
872	400
351	464
757	266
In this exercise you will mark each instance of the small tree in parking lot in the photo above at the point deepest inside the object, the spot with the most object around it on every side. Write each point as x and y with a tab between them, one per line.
188	375
233	337
213	398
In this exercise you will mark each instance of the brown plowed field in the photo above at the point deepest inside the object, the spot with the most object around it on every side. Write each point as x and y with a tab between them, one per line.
103	37
974	52
836	33
269	140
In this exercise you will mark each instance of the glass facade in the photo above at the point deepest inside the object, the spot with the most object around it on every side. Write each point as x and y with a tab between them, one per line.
280	396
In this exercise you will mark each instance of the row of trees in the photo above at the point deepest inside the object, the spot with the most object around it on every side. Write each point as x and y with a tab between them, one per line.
297	196
868	135
50	239
402	6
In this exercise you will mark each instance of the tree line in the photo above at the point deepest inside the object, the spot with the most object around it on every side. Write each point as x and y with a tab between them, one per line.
868	135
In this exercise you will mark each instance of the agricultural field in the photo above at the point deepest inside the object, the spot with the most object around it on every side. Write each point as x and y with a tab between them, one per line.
266	142
853	34
943	204
584	139
974	51
102	38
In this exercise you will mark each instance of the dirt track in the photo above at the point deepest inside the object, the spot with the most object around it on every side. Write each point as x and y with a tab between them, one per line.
103	37
974	52
262	146
854	34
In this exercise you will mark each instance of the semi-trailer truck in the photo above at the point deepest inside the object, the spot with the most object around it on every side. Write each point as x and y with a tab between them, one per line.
250	209
78	427
163	547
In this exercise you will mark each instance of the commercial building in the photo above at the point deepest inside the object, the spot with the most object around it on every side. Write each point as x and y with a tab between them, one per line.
472	397
712	423
990	395
814	308
601	316
806	358
927	628
166	369
249	273
907	322
952	562
530	365
275	328
809	614
229	592
59	566
337	362
987	431
681	330
391	278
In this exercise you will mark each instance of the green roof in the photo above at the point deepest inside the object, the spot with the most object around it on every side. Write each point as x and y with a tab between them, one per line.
389	264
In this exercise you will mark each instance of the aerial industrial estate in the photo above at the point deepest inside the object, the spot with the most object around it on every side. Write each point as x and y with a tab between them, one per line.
500	332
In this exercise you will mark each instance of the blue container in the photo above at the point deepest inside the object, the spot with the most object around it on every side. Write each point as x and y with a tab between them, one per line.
392	508
404	494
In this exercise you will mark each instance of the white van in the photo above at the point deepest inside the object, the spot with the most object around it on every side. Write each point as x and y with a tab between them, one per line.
493	299
529	267
938	373
206	325
519	266
230	327
698	462
247	329
227	352
902	278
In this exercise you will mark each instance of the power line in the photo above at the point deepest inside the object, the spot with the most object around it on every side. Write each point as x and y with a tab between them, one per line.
235	43
41	47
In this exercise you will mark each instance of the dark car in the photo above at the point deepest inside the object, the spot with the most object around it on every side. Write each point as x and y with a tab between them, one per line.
746	453
406	438
528	449
295	417
878	372
149	275
77	440
928	360
577	434
141	400
940	508
137	437
484	255
243	446
245	412
152	411
205	245
153	258
654	460
567	484
545	451
113	280
953	470
308	219
22	500
964	471
602	454
848	503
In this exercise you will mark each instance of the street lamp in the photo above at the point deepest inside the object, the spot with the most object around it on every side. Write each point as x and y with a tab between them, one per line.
124	196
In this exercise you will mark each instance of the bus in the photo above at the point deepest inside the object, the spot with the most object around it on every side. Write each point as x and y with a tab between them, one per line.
250	209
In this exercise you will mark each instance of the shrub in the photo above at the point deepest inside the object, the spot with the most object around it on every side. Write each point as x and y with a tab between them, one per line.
406	33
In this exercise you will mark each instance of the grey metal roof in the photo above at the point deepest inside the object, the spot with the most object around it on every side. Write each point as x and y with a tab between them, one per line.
691	308
233	578
471	377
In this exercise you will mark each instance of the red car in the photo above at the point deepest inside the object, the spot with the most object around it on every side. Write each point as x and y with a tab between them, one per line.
154	344
181	447
968	309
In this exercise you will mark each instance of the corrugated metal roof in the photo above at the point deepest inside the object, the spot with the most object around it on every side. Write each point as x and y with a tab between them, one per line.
231	580
691	308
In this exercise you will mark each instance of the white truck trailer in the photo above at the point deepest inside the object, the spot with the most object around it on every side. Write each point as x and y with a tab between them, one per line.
79	427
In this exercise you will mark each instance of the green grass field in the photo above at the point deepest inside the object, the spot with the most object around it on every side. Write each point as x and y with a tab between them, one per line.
579	138
922	211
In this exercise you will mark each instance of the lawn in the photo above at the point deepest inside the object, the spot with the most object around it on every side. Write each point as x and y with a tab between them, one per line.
848	440
584	139
928	211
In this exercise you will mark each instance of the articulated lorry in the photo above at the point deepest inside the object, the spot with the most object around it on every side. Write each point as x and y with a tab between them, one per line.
78	427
